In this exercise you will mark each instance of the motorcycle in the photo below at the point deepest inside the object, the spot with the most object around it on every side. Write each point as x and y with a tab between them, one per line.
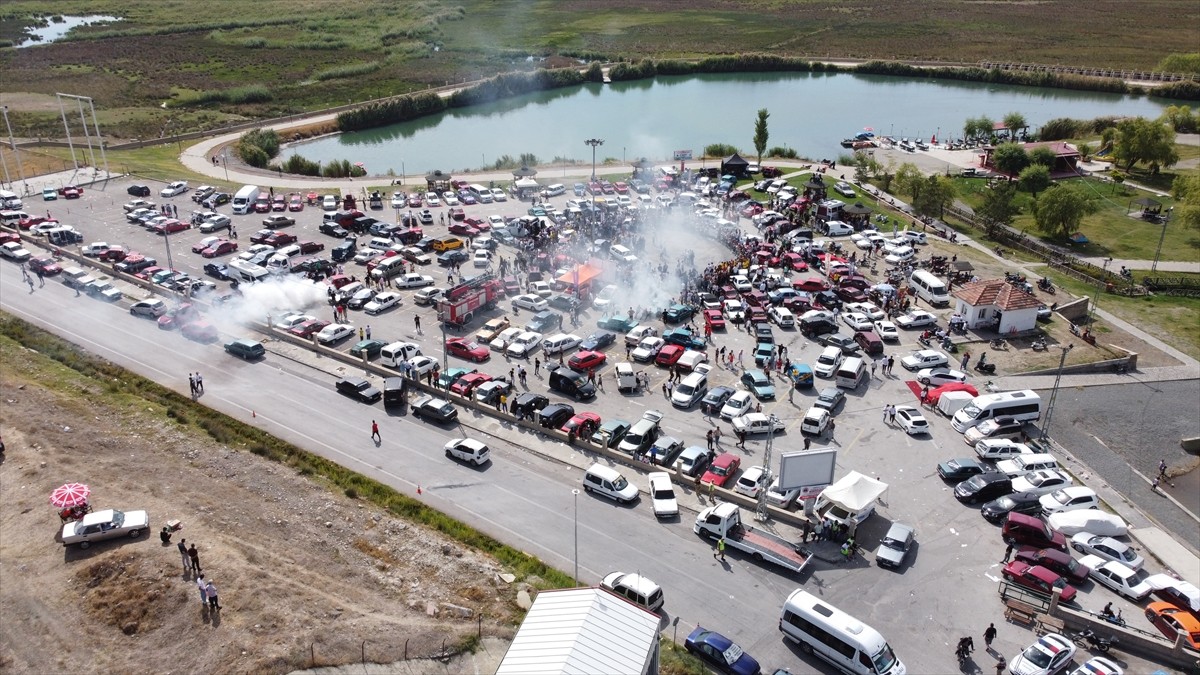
1039	345
925	342
949	346
1099	643
1045	285
1115	619
999	343
999	251
986	368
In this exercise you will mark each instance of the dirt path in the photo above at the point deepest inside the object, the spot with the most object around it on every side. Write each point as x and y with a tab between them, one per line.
301	570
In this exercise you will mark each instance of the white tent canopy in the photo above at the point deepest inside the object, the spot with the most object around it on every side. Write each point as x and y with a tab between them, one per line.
854	491
526	184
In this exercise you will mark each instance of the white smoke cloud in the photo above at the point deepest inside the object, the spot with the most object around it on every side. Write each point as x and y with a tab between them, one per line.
286	292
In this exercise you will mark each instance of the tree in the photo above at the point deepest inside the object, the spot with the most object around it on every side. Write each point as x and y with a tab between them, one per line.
1060	211
760	133
1181	118
1010	158
1140	140
1107	138
1034	179
865	166
986	126
908	179
934	194
1085	151
1044	156
1015	121
1186	189
999	207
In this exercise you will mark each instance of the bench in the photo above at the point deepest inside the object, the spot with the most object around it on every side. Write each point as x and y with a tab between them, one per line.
1021	612
1049	624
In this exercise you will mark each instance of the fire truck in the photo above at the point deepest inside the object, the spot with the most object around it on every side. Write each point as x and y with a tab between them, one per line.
458	305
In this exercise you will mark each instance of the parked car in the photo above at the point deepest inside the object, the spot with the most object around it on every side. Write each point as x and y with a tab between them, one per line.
1118	577
662	495
106	524
893	549
1050	654
720	652
1059	562
1108	549
1038	579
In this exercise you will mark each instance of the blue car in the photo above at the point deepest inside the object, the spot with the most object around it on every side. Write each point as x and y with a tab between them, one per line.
597	341
721	653
580	189
756	381
678	313
684	338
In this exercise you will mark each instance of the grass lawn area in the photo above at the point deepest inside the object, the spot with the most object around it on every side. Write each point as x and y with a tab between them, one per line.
1111	231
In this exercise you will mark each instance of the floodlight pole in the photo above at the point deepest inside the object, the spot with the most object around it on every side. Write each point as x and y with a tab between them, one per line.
576	493
1054	392
594	142
1161	237
12	143
760	512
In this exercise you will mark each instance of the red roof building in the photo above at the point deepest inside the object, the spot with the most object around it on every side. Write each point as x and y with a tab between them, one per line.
995	301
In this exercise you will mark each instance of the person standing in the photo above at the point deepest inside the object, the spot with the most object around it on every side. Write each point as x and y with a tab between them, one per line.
1007	552
211	591
192	383
720	549
708	437
194	557
1162	469
183	553
965	360
41	278
891	361
199	382
807	531
203	586
989	634
417	321
819	531
375	432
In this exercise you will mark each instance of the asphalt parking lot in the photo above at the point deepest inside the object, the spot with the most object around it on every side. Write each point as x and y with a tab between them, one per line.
954	569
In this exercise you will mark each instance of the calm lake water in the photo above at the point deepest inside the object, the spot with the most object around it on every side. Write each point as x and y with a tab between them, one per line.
55	31
652	118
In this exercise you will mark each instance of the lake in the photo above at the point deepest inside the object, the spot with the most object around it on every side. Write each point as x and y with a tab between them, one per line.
810	112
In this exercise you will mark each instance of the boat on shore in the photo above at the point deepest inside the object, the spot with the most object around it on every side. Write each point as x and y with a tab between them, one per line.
863	139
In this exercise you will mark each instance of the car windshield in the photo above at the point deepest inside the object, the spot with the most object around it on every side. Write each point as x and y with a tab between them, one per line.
970	411
1037	655
1060	496
885	659
664	493
1005	504
974	483
1128	555
732	654
620	483
720	470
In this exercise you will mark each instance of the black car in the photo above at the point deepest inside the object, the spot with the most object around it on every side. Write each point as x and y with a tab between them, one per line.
358	388
543	321
597	341
957	470
1028	503
425	244
983	487
830	398
344	251
555	415
436	409
333	229
563	302
846	344
217	271
216	199
138	190
528	403
828	299
715	399
811	329
458	255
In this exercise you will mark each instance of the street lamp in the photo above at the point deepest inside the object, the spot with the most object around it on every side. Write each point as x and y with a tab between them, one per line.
576	493
12	144
1161	237
1054	392
594	142
1096	295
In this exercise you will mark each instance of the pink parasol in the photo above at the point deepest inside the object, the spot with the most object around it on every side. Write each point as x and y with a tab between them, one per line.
71	494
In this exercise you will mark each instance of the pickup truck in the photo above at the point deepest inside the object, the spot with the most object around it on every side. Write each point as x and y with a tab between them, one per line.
725	520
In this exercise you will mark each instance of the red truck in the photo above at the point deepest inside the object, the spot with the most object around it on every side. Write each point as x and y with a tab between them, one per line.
458	306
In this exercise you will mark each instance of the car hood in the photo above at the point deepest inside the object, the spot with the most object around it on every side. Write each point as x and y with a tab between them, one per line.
889	554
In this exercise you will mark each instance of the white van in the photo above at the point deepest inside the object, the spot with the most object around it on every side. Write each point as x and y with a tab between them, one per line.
380	243
555	190
10	200
828	362
851	373
609	482
836	637
1024	463
836	228
247	272
783	317
1022	406
397	353
929	288
11	218
243	201
389	267
691	389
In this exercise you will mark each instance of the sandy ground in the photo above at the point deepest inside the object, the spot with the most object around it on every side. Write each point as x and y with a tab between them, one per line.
301	570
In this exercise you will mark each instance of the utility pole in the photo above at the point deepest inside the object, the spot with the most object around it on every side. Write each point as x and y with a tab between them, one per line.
760	512
1054	392
1161	237
594	142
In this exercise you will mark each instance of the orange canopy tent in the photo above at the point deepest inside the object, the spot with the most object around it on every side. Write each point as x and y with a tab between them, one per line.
581	275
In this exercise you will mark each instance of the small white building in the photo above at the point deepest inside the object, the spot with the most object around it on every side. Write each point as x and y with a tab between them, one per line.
583	631
983	303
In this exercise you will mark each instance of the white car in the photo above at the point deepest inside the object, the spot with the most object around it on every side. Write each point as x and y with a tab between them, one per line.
857	321
398	200
1098	665
843	188
752	480
604	298
499	195
96	248
216	222
482	258
106	524
382	302
900	255
936	377
1041	480
450	198
468	450
912	236
541	289
647	349
1092	521
662	495
561	342
329	203
735	311
815	421
924	358
1000	448
1118	577
419	365
174	189
412	280
524	344
828	361
757	423
334	332
886	330
739	404
911	420
292	320
742	284
505	338
530	302
917	318
1107	548
366	255
1069	499
13	251
868	308
432	199
1050	654
781	498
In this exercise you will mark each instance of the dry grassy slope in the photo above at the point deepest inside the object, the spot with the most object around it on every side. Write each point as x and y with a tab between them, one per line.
295	564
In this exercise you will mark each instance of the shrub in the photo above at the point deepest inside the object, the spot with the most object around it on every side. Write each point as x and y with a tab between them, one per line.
391	111
300	165
349	70
253	155
719	150
515	84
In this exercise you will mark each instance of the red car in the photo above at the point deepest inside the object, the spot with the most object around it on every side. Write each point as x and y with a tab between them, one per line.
810	285
414	201
146	272
199	331
263	205
279	203
456	213
621	188
312	198
7	237
46	264
1054	560
222	247
851	294
338	280
795	261
1038	578
307	247
463	229
295	202
172	226
71	192
114	254
278	239
722	469
752	209
584	424
585	360
467	383
468	349
669	355
177	316
714	320
26	223
308	328
756	315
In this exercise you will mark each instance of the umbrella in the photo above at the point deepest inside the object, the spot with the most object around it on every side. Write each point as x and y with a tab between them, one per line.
524	172
815	184
359	164
71	494
857	209
886	289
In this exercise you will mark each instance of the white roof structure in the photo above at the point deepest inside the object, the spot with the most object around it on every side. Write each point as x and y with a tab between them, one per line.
583	631
854	491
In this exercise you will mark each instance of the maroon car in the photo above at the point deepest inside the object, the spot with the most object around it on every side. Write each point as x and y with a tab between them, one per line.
1056	561
307	247
46	265
277	239
308	328
1038	578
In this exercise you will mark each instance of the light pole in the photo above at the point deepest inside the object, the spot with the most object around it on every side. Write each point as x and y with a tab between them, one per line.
1054	392
760	513
1161	237
576	493
1096	295
594	142
12	143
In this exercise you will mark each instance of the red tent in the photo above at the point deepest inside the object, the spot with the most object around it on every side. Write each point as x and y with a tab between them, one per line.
935	394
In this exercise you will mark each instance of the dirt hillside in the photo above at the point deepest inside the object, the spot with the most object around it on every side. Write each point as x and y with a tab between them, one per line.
301	570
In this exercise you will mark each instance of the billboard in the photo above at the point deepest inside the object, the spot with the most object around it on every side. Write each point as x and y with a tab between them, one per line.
683	154
809	471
